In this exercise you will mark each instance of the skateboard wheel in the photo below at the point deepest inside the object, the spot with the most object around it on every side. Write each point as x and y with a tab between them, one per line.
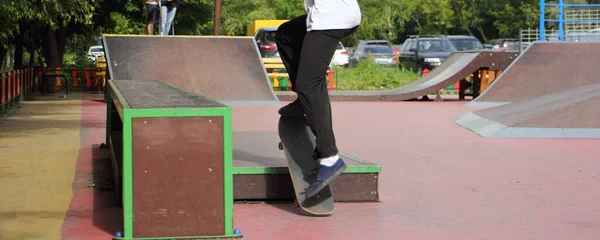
296	203
280	146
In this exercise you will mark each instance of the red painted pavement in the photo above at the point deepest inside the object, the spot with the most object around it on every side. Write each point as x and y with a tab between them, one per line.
438	181
93	213
441	181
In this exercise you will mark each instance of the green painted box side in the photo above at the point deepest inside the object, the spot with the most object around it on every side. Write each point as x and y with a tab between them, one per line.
182	238
224	112
284	170
228	169
127	114
127	175
354	165
120	104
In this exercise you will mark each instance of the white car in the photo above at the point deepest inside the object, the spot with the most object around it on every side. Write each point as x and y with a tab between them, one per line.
340	57
95	52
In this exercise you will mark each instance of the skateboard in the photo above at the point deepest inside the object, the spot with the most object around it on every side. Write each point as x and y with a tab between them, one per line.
298	144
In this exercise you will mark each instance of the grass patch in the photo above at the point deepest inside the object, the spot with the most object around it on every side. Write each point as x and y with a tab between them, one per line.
29	96
9	108
368	75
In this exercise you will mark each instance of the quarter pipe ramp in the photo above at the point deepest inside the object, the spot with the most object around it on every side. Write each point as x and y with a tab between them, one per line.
551	91
226	69
544	68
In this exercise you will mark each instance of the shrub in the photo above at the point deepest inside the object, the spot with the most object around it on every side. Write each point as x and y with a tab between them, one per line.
368	75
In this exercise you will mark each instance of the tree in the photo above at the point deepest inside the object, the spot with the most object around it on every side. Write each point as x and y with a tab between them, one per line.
49	20
11	14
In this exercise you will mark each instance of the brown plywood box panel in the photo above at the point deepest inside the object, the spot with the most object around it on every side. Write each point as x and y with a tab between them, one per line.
178	176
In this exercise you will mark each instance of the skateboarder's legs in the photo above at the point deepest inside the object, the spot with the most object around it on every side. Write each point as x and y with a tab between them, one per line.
307	56
289	38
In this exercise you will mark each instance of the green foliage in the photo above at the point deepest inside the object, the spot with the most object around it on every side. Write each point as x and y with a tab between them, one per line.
11	13
10	107
194	17
236	15
368	75
392	20
124	25
27	21
76	60
510	16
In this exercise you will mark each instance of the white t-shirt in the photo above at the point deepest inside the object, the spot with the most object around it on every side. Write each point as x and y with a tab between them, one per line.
332	14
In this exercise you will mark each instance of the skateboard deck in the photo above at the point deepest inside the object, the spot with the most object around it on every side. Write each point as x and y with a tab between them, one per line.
298	144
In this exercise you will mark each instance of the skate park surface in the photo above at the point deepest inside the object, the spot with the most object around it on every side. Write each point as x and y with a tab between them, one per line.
438	180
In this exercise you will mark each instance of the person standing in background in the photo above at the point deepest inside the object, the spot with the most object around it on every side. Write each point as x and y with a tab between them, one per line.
168	9
151	15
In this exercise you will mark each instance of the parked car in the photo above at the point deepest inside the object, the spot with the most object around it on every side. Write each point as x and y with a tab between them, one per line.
265	39
425	52
340	57
505	44
397	49
592	35
95	52
465	43
380	51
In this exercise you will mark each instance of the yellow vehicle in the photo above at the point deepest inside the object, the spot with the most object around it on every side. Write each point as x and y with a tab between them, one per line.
264	33
257	24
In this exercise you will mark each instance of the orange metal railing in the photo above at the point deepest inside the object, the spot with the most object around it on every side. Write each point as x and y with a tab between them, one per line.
15	83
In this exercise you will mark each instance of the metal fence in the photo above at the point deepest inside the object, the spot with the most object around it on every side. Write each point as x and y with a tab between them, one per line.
531	35
564	21
14	83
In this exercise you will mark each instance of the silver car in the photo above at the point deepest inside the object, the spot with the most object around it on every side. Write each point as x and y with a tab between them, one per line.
378	51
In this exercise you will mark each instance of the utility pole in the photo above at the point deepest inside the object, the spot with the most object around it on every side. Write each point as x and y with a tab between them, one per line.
217	20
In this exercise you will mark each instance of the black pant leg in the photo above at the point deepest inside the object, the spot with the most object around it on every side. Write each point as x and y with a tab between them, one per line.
316	54
289	39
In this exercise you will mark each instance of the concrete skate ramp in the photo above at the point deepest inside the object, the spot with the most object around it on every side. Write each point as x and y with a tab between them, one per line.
544	68
458	66
226	69
572	113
